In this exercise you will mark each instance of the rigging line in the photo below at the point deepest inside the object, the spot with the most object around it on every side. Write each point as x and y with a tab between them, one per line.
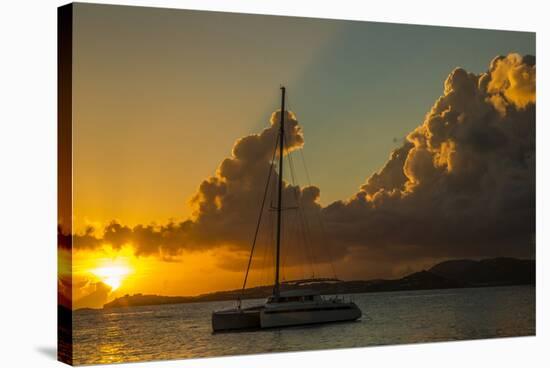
267	270
267	245
321	224
258	261
310	256
294	226
307	231
305	166
308	240
303	220
286	239
293	233
260	216
269	256
270	269
304	261
307	251
290	225
304	251
263	256
300	228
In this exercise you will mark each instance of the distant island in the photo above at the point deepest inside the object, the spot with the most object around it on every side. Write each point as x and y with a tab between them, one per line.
445	275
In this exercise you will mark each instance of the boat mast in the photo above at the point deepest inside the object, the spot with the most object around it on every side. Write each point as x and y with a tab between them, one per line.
276	288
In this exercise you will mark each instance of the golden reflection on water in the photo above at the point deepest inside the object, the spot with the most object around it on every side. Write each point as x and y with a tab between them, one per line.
111	353
184	330
110	350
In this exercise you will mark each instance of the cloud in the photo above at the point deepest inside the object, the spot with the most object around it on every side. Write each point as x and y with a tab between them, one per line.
514	77
225	206
96	295
462	184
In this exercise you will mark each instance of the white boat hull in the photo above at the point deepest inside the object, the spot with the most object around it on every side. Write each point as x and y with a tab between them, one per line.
296	316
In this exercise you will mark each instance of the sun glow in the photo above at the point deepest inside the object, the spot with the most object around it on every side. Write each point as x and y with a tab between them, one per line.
121	271
112	275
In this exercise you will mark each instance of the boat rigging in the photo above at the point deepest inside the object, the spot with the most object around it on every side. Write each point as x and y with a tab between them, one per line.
289	307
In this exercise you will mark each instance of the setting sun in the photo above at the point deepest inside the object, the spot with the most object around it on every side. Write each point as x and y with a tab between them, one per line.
112	275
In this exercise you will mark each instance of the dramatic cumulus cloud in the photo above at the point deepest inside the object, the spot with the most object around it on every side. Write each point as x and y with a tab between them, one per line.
462	184
226	205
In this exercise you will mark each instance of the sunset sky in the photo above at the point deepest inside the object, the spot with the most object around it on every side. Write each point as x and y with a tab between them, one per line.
161	97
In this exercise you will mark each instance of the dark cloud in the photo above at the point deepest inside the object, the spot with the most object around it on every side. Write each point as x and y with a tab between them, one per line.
226	205
462	184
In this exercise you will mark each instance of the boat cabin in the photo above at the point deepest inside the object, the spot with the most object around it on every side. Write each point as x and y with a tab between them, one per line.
295	296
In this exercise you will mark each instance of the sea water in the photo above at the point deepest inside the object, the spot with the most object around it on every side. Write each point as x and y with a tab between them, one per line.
179	331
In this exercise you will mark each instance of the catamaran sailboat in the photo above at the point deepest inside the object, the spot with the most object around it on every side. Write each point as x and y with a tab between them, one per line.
285	307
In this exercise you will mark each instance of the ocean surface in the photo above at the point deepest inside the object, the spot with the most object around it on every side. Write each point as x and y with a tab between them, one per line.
184	331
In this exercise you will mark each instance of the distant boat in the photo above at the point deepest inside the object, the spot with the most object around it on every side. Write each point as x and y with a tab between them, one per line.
290	307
